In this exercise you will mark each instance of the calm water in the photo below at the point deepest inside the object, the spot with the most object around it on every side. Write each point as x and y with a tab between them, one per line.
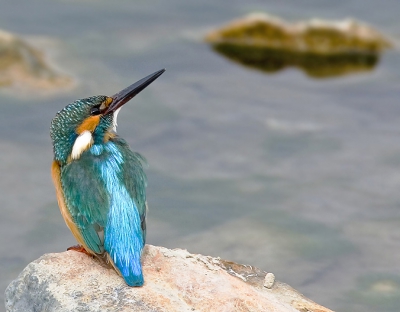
298	176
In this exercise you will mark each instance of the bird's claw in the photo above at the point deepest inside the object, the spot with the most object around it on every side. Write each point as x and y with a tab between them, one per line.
78	248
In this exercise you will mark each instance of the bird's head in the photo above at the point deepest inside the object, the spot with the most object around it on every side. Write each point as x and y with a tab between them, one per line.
89	121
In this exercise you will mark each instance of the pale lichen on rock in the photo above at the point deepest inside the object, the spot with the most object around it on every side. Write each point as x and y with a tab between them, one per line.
175	280
269	280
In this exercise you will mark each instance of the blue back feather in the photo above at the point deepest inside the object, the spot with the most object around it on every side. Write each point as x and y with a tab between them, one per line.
123	238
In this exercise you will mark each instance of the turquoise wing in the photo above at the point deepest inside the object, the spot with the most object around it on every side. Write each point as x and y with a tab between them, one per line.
87	199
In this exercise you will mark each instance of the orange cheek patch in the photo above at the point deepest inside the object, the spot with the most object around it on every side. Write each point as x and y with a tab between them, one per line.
89	124
108	101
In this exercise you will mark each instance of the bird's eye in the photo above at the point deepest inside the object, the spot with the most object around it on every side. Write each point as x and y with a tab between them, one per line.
95	110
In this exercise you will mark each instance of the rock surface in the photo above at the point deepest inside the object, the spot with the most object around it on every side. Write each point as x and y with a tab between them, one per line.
23	66
314	36
175	280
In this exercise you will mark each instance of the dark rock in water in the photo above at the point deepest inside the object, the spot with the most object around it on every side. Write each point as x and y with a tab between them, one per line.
320	48
23	66
315	65
175	280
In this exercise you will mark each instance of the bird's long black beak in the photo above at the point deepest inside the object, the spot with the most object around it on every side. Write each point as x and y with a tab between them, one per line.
128	93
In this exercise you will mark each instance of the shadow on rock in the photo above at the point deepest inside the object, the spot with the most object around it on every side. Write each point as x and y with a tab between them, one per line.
314	65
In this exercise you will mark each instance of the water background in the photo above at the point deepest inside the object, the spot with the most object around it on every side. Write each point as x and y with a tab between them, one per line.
295	175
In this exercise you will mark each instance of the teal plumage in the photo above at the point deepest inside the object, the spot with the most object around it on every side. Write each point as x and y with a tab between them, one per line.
100	182
110	173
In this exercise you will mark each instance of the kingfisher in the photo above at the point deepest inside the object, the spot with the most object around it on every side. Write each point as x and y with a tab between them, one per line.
100	183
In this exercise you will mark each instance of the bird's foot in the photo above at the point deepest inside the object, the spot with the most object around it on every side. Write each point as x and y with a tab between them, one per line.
79	248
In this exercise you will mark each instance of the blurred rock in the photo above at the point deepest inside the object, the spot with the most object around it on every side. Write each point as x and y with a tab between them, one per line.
24	67
175	280
320	48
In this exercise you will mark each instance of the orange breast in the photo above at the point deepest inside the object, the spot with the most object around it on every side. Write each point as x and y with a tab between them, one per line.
89	124
56	176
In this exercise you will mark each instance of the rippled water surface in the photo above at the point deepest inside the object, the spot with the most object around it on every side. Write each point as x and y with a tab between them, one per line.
295	175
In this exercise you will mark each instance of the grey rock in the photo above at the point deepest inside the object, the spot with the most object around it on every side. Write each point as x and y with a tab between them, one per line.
175	280
24	66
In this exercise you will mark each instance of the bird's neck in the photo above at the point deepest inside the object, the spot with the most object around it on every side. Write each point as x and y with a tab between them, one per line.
82	144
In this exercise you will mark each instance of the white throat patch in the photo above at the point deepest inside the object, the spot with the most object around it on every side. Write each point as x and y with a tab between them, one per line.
115	116
82	143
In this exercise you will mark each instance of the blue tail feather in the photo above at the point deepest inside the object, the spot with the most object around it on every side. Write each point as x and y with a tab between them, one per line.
132	277
124	238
